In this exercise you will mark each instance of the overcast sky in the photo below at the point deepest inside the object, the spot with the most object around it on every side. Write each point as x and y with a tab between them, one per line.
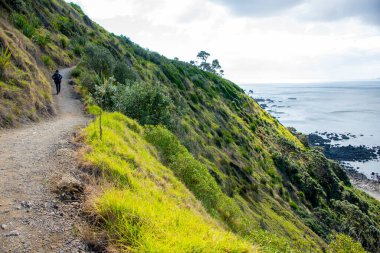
255	40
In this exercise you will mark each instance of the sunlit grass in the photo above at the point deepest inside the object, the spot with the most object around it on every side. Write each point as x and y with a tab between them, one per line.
148	209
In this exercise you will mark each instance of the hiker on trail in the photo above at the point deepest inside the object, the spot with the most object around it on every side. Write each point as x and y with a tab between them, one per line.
57	80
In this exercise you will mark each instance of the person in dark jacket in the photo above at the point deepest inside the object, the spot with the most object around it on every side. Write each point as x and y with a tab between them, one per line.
57	80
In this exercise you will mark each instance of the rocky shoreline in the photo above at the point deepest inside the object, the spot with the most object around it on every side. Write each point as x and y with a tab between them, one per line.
332	146
359	180
338	152
346	154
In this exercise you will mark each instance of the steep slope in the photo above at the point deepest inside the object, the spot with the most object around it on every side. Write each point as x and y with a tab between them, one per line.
155	212
24	89
278	192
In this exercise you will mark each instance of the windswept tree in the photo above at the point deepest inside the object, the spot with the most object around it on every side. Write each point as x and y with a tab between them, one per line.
203	55
215	66
203	64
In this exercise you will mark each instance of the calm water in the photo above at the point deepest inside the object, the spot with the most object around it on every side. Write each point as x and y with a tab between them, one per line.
339	107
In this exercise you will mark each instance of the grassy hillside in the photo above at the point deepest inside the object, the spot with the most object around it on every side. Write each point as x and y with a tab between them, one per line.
206	151
148	208
24	89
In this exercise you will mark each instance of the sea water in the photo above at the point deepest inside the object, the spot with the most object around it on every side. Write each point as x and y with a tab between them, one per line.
337	107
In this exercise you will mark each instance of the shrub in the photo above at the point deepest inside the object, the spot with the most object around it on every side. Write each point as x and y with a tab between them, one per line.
149	103
63	42
47	61
293	205
81	41
99	59
66	25
71	55
194	174
42	40
87	80
104	92
26	24
352	221
123	72
18	5
344	244
5	56
77	50
76	72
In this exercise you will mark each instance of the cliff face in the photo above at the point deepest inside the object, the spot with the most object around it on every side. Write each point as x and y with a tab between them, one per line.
280	193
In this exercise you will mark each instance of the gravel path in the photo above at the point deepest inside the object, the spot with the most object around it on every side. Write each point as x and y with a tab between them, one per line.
32	160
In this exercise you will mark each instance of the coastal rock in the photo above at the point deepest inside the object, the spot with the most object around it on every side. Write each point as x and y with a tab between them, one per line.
342	153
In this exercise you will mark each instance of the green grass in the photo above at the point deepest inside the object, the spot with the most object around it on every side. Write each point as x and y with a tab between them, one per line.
236	162
148	196
148	209
5	56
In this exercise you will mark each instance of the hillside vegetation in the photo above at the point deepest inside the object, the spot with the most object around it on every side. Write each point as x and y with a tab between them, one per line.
201	167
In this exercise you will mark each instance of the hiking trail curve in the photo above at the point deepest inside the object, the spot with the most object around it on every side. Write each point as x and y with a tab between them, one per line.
32	160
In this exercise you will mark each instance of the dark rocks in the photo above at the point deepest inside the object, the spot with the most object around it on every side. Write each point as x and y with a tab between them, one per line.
264	102
342	153
317	140
350	153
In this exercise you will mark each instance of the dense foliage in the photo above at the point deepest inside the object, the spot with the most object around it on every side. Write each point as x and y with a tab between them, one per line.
277	192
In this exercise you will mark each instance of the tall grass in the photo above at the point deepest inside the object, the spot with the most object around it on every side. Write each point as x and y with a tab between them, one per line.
148	209
5	56
27	24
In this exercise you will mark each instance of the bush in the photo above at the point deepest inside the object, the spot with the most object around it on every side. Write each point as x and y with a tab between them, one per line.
352	221
76	72
18	5
194	174
47	61
123	72
87	80
67	26
149	103
99	59
104	92
26	24
42	40
5	56
293	205
344	244
63	42
81	41
77	50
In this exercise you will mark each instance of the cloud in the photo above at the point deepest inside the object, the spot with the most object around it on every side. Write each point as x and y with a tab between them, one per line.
333	10
258	7
307	10
303	40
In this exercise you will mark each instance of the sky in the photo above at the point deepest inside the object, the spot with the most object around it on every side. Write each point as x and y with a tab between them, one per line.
255	41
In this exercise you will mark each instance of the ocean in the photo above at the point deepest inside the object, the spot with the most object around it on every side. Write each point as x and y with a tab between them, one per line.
337	107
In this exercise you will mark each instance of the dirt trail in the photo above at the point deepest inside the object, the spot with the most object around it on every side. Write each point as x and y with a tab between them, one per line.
32	159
